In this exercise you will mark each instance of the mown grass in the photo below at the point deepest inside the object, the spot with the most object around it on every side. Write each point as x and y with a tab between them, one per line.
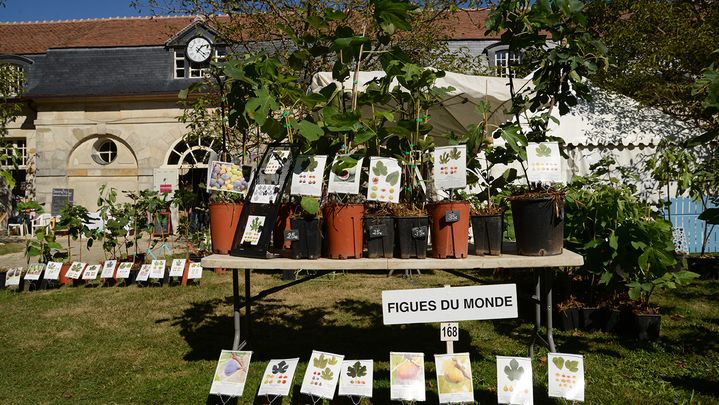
160	345
11	247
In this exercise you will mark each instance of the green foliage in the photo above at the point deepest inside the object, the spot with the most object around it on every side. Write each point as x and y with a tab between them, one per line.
74	219
32	205
310	205
44	247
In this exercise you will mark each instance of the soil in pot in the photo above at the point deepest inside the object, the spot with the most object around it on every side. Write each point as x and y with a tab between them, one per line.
305	237
223	224
487	234
538	223
412	236
343	230
379	234
450	229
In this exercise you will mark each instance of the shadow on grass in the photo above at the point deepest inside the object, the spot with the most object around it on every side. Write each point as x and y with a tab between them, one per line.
694	384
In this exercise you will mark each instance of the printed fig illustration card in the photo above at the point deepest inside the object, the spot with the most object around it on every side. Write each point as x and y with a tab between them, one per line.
177	268
226	176
566	376
144	273
12	277
231	373
276	161
514	380
34	271
157	269
307	175
108	269
253	229
265	193
124	270
322	374
356	378
52	270
91	272
277	379
385	180
450	167
454	378
194	271
345	175
75	270
406	376
544	163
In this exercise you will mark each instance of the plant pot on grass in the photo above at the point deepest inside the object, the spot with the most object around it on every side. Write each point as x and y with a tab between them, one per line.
224	218
450	229
647	326
538	223
487	229
343	230
706	266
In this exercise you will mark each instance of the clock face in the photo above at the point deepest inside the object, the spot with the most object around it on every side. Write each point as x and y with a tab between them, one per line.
199	49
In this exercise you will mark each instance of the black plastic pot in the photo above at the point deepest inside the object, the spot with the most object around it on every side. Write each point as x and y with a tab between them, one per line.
539	225
308	244
594	318
379	236
3	275
646	326
706	267
412	234
567	319
487	234
619	322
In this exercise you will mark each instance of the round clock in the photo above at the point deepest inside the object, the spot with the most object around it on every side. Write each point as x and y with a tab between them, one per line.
199	49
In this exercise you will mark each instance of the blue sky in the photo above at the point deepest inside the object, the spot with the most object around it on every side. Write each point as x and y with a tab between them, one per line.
34	10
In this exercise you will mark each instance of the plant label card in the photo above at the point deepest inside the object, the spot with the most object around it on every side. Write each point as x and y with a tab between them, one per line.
253	230
124	270
276	161
34	271
178	267
345	175
385	180
356	378
226	176
265	194
307	175
277	379
52	271
566	376
75	270
454	378
108	269
13	276
194	271
144	273
91	272
231	373
406	376
157	269
450	167
323	372
514	380
544	163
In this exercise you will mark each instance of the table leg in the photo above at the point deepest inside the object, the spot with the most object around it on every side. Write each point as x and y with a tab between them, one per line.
548	281
248	305
236	309
537	299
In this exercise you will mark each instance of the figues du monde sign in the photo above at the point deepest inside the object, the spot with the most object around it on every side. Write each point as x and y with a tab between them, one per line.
426	305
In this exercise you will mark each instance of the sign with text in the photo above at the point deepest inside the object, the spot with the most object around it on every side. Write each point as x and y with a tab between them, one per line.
428	305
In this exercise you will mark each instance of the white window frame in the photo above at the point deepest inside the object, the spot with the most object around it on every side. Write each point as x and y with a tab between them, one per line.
191	70
501	61
19	144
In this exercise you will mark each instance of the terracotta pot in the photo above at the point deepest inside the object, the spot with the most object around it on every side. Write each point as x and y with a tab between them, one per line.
281	225
223	224
343	230
450	238
64	280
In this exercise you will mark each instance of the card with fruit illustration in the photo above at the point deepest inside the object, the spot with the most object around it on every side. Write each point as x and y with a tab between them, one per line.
91	272
323	372
231	373
34	271
544	163
566	376
450	167
157	269
178	267
385	180
12	277
275	162
144	273
253	230
226	176
356	378
75	270
307	175
52	270
345	175
194	271
514	380
124	270
108	269
454	378
406	376
277	379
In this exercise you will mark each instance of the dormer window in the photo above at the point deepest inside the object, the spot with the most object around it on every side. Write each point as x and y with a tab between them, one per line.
15	74
185	68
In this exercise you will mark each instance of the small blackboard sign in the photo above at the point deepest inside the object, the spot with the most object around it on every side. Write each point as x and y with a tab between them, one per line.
292	234
419	232
451	216
377	231
60	198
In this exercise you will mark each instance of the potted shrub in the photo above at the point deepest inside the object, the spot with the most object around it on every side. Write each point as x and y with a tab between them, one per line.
379	230
343	213
47	249
73	221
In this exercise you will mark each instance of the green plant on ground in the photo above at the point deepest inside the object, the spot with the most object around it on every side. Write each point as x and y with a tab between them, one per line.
74	219
30	205
44	247
116	222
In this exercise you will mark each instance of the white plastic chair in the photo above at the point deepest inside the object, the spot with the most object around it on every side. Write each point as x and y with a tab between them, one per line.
21	229
41	222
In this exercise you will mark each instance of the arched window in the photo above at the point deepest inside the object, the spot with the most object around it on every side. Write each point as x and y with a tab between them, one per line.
194	153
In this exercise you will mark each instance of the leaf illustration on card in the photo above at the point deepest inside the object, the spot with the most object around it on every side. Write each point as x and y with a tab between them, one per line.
327	374
559	362
379	169
357	370
572	365
513	371
320	362
332	361
543	151
280	367
455	154
393	178
444	158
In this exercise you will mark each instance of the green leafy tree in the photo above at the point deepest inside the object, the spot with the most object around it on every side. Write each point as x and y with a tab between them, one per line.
74	220
11	80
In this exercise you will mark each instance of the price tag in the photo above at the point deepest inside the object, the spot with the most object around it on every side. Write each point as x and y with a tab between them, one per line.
376	231
419	232
451	216
449	331
292	234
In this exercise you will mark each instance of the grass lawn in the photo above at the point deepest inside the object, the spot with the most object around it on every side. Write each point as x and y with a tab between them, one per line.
12	247
160	345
